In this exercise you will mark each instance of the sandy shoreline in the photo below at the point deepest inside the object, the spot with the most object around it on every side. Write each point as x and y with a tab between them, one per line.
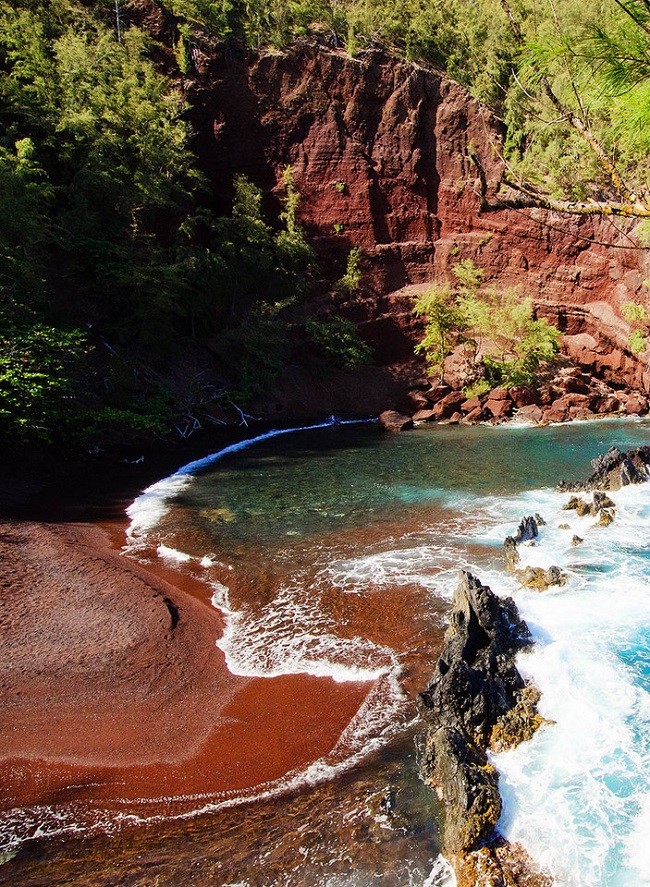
112	688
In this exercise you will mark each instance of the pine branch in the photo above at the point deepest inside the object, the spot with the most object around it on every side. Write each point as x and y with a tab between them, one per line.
635	18
580	123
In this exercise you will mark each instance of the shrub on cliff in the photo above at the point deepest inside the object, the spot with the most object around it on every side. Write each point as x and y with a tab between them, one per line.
505	342
338	340
445	325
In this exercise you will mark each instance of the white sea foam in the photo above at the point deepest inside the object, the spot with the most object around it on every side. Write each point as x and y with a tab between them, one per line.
576	795
638	845
173	554
152	505
291	635
420	565
441	875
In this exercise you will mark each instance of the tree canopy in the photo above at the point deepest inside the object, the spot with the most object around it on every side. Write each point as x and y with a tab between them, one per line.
570	80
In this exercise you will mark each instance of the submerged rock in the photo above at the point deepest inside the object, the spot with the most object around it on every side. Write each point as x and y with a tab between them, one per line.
476	695
580	506
501	864
601	506
530	577
606	517
541	579
527	531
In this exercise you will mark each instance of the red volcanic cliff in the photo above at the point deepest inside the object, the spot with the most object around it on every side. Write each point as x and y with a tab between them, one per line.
378	148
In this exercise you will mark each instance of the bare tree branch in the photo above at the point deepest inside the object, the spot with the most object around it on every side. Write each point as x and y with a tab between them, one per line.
528	197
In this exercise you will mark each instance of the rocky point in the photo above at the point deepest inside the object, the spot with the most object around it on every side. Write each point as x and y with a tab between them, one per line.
477	700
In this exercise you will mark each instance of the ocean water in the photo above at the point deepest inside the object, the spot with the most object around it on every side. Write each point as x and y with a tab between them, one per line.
334	550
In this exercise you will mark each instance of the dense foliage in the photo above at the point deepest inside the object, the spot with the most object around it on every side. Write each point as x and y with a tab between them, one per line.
503	342
109	251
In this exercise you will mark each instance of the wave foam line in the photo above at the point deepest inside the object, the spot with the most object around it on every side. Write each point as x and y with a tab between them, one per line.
381	717
151	505
290	636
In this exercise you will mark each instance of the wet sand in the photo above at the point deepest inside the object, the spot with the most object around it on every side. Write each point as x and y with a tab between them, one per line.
112	688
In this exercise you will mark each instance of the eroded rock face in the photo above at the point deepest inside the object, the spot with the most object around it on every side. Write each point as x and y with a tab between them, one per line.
471	699
476	679
378	148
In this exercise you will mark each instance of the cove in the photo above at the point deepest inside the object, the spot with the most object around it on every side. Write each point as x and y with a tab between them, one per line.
331	553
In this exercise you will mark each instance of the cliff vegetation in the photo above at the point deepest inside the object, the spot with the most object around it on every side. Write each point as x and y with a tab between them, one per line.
113	251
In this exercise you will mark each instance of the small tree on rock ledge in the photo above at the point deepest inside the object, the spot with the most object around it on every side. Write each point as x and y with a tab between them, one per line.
506	342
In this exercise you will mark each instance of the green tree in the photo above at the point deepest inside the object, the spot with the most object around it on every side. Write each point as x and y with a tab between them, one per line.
445	324
37	369
637	315
350	281
504	339
577	110
338	339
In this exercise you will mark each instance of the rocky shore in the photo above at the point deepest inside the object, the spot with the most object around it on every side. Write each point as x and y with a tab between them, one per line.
478	701
611	471
568	395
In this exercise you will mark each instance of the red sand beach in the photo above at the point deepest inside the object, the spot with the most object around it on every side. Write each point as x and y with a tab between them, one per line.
112	687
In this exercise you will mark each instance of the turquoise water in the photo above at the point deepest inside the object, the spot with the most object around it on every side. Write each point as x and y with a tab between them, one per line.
344	511
334	551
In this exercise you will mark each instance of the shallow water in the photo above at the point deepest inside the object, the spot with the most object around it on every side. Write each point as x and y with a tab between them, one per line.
334	552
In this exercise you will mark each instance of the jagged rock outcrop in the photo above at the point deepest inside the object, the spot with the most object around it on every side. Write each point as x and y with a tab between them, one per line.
476	679
477	699
539	578
601	506
613	470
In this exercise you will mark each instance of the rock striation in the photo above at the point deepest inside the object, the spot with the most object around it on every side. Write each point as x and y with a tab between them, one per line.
476	700
379	151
